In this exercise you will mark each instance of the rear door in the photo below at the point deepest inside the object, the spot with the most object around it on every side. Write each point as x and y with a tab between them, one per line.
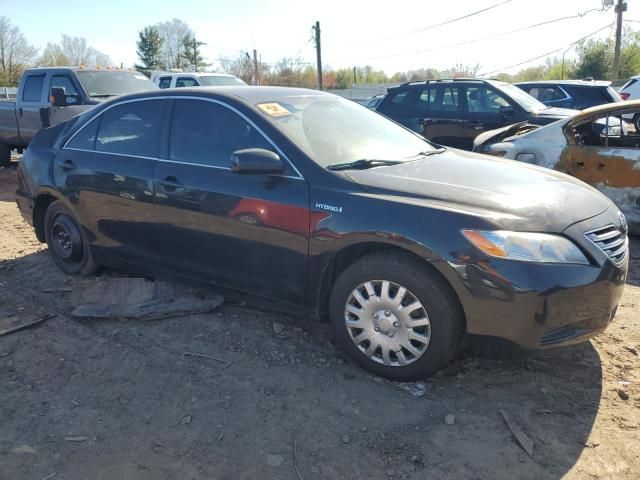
486	109
106	173
440	113
246	231
31	99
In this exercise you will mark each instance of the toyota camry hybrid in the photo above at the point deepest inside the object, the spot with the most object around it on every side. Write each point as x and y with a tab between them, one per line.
301	196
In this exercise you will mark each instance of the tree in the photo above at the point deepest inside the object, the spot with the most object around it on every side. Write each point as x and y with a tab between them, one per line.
149	50
172	34
53	56
73	51
594	59
15	53
191	54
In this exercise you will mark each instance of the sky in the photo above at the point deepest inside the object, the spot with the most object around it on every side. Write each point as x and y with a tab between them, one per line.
353	33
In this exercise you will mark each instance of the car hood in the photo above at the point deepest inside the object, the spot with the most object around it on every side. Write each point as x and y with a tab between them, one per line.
512	194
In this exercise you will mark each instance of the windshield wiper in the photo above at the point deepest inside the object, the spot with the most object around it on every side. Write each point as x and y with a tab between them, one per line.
426	153
362	164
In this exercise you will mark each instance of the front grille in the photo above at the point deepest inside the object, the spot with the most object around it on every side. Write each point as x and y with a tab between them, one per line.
611	241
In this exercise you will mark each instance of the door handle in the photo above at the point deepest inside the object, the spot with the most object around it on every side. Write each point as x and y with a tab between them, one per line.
68	165
171	183
476	125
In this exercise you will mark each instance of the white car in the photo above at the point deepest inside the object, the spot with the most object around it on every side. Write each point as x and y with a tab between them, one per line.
631	91
194	79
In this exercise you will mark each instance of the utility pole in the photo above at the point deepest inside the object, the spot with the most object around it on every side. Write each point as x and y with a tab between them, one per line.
255	67
621	6
196	44
316	29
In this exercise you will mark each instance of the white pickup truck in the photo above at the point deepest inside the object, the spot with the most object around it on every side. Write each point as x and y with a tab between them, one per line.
193	79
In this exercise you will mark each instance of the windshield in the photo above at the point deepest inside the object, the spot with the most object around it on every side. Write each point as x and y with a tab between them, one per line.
213	80
110	83
522	98
333	130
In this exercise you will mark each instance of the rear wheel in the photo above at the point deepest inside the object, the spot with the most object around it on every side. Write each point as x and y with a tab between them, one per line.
5	155
68	245
394	317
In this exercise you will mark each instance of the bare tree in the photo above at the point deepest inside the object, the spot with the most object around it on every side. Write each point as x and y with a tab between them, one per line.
73	51
53	56
172	34
240	66
15	53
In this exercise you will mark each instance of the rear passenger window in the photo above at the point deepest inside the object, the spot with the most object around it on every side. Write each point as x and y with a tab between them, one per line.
446	99
207	133
132	128
186	82
33	88
165	82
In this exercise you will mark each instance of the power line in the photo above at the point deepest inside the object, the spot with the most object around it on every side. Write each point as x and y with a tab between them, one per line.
436	25
467	42
545	54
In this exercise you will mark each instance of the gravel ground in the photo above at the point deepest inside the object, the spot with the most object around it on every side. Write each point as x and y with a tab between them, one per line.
273	399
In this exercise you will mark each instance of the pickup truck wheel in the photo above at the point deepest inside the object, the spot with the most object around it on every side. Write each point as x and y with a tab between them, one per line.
393	317
67	242
5	155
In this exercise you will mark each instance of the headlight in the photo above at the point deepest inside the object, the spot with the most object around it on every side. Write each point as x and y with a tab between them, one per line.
526	247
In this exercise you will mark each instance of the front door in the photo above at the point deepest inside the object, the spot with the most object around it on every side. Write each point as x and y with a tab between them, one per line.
246	231
106	173
486	110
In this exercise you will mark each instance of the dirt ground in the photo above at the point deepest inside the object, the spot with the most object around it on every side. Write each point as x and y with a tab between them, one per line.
88	399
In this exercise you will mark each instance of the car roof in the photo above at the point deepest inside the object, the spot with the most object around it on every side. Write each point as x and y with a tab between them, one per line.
195	74
248	94
604	109
594	83
82	69
448	80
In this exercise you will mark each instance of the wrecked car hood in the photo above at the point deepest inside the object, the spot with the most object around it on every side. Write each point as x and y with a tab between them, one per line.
523	197
499	134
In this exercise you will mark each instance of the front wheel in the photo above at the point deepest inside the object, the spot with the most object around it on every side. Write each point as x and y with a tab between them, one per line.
394	317
68	245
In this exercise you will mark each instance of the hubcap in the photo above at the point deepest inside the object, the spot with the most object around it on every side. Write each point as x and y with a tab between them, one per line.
387	323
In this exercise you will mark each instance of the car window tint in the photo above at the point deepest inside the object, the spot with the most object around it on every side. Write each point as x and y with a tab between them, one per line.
484	100
186	82
85	139
33	88
65	82
425	100
208	133
447	99
165	82
132	128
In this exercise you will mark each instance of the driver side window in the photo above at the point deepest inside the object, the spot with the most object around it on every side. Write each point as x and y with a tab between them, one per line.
208	133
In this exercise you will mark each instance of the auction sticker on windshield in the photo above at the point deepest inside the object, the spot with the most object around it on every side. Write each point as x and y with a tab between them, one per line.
273	109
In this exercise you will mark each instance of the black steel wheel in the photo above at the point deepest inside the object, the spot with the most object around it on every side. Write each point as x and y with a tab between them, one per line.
67	243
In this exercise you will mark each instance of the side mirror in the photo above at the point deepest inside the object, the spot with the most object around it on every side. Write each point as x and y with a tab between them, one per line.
58	97
256	160
507	111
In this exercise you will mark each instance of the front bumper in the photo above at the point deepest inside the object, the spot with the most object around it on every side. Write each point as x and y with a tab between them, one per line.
542	305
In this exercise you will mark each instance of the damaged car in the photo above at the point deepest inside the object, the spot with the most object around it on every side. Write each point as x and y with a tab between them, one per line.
597	146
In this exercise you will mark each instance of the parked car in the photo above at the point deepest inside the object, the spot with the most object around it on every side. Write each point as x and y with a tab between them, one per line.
373	102
79	89
404	244
608	159
194	79
454	112
631	91
575	94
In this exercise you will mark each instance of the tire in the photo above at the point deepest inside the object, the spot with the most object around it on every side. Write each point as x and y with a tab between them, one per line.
636	122
5	155
68	245
436	322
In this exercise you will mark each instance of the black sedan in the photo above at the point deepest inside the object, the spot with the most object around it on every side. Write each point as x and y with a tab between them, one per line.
319	202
